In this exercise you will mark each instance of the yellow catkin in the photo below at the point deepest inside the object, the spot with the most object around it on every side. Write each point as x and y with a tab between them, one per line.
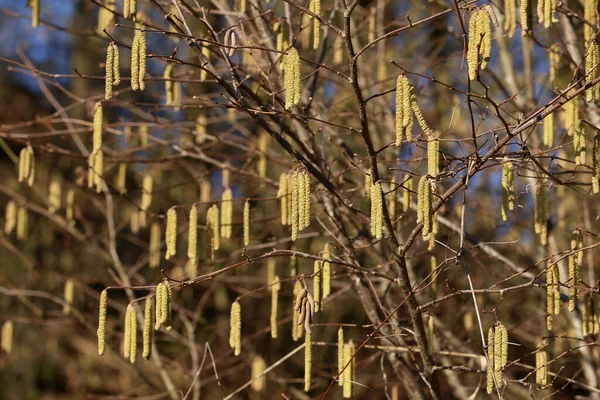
326	272
541	366
148	328
143	135
510	17
552	294
10	217
171	233
109	69
306	195
433	286
138	60
301	199
548	130
205	191
525	14
275	287
340	353
203	71
579	143
106	18
575	261
159	316
317	284
591	73
146	193
295	206
545	11
126	9
167	307
27	166
315	8
243	6
480	42
235	331
406	193
283	195
193	236
473	46
22	223
68	297
424	206
200	131
212	224
169	84
102	322
154	247
541	214
376	211
348	374
596	164
433	157
35	12
589	25
307	362
491	359
127	335
296	328
508	194
404	114
263	148
98	170
430	337
132	321
571	115
259	380
246	222
553	63
338	50
484	28
70	207
292	79
7	336
121	180
54	196
97	125
226	213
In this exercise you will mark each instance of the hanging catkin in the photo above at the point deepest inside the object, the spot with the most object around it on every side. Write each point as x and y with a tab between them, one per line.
102	323
166	305
54	196
433	285
596	164
480	42
404	114
571	115
315	8
526	17
541	367
340	354
129	9
138	60
548	130
424	206
508	187
296	323
541	214
212	225
246	222
108	78
575	261
376	211
579	144
132	320
306	198
406	193
193	236
235	331
98	121
589	318
158	310
326	272
497	349
148	328
589	25
430	337
7	336
433	158
275	287
292	78
200	132
347	387
169	85
121	180
171	233
11	217
70	207
283	196
106	17
154	247
98	169
546	10
317	284
27	165
510	17
592	94
417	111
22	223
295	205
552	294
259	380
553	63
68	296
263	148
146	193
307	362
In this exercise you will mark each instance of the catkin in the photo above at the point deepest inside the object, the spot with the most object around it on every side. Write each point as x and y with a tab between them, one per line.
167	308
497	348
433	285
575	261
406	194
526	17
508	187
326	272
579	144
159	317
317	284
430	337
589	319
246	222
589	25
138	60
132	332
404	114
98	121
154	248
193	236
552	294
54	196
108	78
296	323
7	336
102	322
35	12
393	200
70	207
27	165
545	11
433	157
171	233
347	387
376	211
292	79
541	214
571	115
200	132
169	85
306	195
121	180
591	72
259	380
283	195
227	214
263	148
340	352
596	164
148	328
548	130
424	206
68	296
418	114
212	225
541	368
146	193
11	217
235	331
98	170
22	223
553	63
510	17
275	287
480	42
205	191
307	362
315	8
295	206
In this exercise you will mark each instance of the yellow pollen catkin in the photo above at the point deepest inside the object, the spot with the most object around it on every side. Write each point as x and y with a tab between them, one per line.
138	60
317	284
102	323
596	164
169	84
541	214
259	380
226	213
347	387
193	236
404	113
132	322
307	362
54	196
146	193
148	328
98	121
326	272
508	182
246	222
376	211
70	207
340	353
296	206
424	206
315	8
292	79
306	195
7	336
591	73
296	327
480	42
575	261
541	366
200	132
430	337
154	247
212	224
121	180
98	170
548	130
433	157
283	194
553	63
22	223
579	143
35	12
171	233
159	316
275	287
27	165
167	307
11	217
263	148
526	17
109	69
510	17
406	193
235	331
589	25
68	296
552	294
433	285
